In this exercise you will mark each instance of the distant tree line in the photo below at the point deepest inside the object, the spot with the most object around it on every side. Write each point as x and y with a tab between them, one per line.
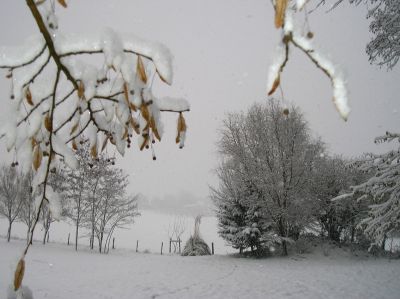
277	183
93	198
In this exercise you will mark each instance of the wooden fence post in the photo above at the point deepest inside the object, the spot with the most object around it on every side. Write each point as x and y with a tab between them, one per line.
170	241
212	248
162	245
179	241
137	245
68	238
113	247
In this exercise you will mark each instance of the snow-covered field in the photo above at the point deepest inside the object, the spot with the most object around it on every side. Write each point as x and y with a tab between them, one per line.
150	229
56	271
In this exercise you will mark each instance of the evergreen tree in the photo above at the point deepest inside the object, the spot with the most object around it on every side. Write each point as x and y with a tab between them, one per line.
384	188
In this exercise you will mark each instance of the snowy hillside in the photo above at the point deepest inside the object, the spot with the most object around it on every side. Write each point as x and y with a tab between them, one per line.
56	271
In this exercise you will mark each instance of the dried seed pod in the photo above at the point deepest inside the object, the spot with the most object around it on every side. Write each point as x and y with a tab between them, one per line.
145	112
275	85
310	34
93	151
62	3
134	125
19	274
132	106
126	93
74	128
140	70
144	143
33	143
37	157
28	96
181	127
125	133
81	90
74	145
104	144
154	128
280	9
9	74
47	123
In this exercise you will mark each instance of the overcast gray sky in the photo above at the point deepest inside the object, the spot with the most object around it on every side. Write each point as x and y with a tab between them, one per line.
222	50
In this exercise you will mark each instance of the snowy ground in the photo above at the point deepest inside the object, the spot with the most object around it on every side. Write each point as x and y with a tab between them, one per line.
56	271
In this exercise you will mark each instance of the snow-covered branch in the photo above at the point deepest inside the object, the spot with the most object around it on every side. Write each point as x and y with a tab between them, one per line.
60	100
292	36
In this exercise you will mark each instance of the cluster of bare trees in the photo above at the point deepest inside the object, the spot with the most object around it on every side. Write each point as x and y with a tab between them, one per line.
96	198
93	197
12	194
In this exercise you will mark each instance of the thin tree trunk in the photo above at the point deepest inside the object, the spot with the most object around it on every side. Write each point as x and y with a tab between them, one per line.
78	217
9	231
76	234
284	248
100	241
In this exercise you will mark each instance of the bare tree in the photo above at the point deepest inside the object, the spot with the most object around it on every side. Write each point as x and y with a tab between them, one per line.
176	229
27	214
75	189
114	208
11	203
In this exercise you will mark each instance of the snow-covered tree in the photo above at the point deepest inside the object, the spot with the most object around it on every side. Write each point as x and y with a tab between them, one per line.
384	47
58	97
11	182
236	209
331	178
273	151
384	188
